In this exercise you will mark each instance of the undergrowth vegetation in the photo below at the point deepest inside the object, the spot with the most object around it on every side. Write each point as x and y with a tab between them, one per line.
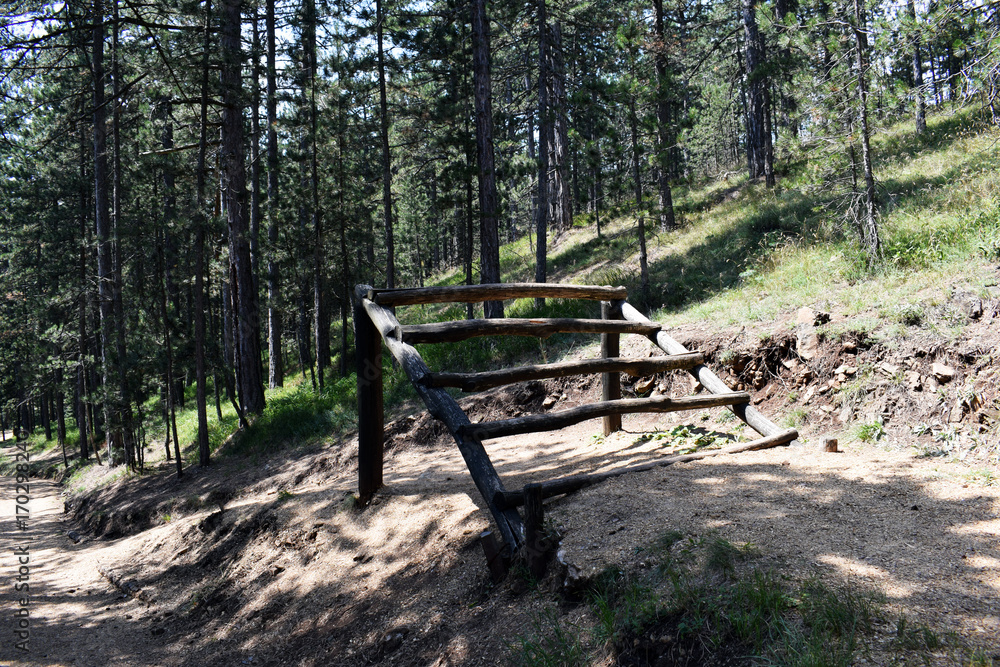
701	601
742	253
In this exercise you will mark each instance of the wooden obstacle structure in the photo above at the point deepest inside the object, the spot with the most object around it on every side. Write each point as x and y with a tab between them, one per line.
375	325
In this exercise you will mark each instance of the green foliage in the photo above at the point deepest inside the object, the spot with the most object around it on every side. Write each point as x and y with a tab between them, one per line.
684	438
918	638
550	644
762	613
871	432
300	415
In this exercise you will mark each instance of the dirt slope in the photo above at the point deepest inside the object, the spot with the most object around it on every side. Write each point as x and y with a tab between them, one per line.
270	563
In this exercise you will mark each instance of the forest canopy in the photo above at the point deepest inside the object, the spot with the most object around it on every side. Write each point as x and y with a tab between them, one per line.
190	190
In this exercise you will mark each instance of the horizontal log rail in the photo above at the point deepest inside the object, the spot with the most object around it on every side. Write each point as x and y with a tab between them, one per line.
632	367
564	418
459	330
493	292
376	325
562	485
712	382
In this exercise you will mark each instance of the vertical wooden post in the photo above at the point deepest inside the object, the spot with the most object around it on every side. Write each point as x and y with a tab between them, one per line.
495	560
611	383
534	530
371	419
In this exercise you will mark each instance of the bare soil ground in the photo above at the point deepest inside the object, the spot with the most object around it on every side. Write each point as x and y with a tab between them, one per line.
270	563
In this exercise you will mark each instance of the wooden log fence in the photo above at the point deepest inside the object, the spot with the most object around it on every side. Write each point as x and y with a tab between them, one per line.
376	325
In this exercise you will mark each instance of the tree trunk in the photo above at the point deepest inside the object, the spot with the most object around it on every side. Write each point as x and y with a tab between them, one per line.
102	224
200	305
545	140
559	194
640	215
868	224
234	193
390	249
489	239
667	219
756	93
122	406
276	366
60	410
171	420
918	69
81	420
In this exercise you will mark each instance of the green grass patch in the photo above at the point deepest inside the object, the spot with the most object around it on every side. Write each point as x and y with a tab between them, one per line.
298	415
704	602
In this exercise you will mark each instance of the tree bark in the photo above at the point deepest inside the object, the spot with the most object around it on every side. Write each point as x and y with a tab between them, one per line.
234	194
756	94
559	194
102	225
489	239
868	224
200	306
918	69
276	366
390	248
667	219
544	138
640	215
122	405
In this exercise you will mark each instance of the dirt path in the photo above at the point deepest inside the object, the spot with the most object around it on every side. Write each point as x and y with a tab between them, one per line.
75	616
289	573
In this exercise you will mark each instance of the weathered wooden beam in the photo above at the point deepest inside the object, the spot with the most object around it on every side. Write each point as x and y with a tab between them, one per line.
371	417
572	483
442	406
611	383
493	292
535	547
458	330
563	418
746	412
499	378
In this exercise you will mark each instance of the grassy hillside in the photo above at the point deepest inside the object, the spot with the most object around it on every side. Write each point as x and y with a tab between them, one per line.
742	254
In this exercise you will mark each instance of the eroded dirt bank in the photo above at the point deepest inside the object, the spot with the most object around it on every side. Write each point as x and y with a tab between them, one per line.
270	562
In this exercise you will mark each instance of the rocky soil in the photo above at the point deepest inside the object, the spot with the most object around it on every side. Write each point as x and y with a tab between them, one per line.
270	562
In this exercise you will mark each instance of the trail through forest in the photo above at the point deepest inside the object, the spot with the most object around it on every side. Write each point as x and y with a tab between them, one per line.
271	564
75	617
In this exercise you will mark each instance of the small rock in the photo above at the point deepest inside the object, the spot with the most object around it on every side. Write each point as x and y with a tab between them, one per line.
644	386
913	382
976	309
942	373
548	402
888	369
808	316
393	639
807	345
75	536
809	395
